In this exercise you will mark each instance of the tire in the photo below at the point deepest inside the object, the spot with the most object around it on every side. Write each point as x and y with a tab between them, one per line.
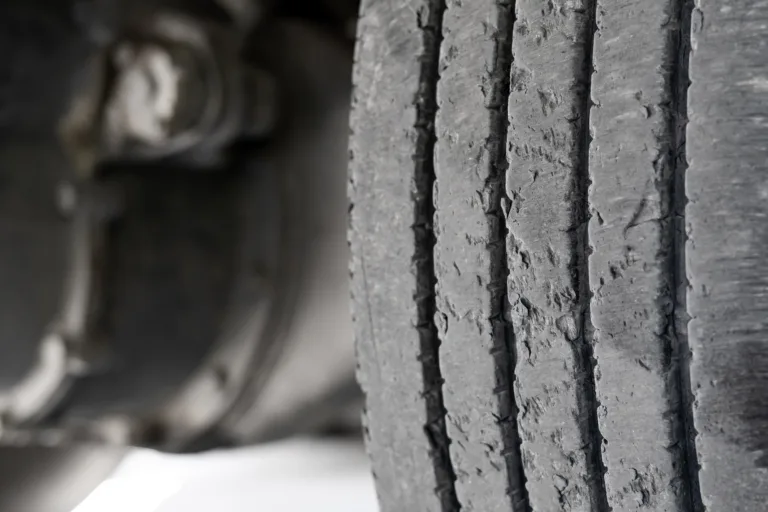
558	235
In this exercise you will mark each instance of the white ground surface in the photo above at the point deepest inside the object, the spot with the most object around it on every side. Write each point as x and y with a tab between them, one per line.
292	476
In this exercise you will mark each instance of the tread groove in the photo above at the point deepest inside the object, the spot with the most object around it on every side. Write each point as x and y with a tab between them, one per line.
503	334
680	82
590	404
430	23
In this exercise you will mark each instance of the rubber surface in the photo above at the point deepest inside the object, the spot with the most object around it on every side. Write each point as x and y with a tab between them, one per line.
558	280
728	269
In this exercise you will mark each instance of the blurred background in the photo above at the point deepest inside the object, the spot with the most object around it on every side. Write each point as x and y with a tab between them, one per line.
322	475
174	324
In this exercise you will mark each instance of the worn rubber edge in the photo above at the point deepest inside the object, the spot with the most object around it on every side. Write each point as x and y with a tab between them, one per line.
587	361
504	351
679	83
423	258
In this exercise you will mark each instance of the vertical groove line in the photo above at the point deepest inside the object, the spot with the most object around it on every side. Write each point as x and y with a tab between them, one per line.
594	439
430	22
503	336
679	82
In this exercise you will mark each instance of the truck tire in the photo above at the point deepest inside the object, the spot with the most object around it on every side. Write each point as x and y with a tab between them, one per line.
558	233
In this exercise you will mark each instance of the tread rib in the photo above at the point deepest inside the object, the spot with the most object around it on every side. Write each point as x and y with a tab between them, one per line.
548	289
725	251
391	180
637	165
470	256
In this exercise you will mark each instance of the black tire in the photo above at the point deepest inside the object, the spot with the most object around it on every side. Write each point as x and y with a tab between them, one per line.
559	271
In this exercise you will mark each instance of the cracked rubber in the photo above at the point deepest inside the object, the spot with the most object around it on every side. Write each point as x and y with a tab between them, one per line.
557	222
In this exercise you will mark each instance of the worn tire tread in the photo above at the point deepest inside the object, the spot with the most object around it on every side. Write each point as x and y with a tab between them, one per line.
537	234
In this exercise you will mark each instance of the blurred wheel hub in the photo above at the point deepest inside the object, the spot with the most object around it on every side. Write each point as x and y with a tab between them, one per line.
178	280
172	86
